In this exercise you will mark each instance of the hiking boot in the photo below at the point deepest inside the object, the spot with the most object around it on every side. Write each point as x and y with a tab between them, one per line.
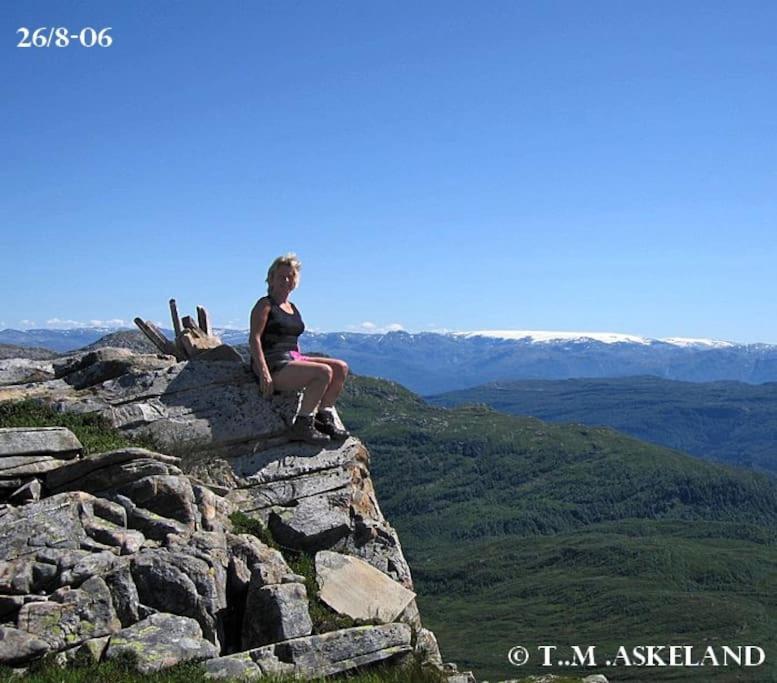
325	423
305	430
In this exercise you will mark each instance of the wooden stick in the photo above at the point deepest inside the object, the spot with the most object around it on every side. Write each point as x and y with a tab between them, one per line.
188	323
204	320
174	315
172	349
156	337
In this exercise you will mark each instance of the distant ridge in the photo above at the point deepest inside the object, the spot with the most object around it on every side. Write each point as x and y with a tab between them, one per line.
731	422
432	363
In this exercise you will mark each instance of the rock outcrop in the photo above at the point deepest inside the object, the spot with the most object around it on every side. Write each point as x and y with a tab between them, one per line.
133	552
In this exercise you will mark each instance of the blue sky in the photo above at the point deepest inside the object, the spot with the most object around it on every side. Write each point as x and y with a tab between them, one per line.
598	166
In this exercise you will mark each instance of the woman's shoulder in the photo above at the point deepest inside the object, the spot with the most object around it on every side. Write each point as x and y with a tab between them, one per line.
264	303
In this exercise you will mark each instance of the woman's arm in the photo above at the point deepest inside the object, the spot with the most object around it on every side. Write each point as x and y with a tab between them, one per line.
259	315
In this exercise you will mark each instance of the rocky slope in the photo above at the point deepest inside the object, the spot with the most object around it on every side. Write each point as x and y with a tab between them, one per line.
132	552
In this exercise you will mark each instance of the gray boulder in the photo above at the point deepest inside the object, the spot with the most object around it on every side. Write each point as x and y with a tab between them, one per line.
89	652
169	496
250	560
71	615
179	583
275	613
161	641
314	523
426	650
18	647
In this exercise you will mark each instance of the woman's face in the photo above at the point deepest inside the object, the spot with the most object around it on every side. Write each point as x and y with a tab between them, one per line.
284	279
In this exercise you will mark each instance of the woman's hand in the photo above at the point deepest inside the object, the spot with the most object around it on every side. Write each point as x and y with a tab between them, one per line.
265	383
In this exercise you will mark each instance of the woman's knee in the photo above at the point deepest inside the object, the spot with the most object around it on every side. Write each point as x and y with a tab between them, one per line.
323	374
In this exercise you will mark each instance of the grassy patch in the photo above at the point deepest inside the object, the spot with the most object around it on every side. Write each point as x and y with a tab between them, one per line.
45	671
93	431
243	524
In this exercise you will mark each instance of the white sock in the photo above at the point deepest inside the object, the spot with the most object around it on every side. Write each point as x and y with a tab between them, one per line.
328	409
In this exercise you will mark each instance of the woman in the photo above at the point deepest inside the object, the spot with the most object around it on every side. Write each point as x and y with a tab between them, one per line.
276	325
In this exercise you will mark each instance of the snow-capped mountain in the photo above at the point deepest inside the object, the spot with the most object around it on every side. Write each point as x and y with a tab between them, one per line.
429	362
541	337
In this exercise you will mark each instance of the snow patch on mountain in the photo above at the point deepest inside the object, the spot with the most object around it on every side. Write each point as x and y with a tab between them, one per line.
546	337
690	341
541	336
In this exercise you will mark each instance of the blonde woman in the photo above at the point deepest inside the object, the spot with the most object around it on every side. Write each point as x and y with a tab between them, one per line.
276	325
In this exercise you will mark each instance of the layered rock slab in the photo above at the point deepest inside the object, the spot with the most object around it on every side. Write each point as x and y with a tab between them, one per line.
27	452
320	655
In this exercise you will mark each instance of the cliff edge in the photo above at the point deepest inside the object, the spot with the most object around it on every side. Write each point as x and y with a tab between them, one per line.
142	552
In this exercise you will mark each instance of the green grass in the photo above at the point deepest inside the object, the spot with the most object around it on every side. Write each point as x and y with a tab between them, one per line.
243	524
46	672
94	432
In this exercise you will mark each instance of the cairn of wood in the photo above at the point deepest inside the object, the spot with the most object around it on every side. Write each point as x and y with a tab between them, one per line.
193	340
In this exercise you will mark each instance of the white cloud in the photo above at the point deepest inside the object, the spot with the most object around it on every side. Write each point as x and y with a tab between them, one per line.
27	323
232	325
113	322
371	328
59	323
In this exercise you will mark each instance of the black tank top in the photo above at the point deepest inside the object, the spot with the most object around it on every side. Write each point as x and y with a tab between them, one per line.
281	331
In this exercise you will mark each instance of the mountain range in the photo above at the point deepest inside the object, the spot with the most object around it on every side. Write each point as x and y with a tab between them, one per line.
430	363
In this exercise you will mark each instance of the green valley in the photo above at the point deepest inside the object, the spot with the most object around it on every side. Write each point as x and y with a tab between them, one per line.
524	532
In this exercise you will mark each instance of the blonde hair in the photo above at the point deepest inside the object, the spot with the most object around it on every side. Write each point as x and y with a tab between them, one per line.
289	259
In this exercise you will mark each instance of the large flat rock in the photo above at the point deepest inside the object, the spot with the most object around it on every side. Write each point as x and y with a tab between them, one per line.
58	442
315	656
194	405
354	587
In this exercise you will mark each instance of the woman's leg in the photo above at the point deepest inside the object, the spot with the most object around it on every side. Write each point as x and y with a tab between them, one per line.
339	370
313	379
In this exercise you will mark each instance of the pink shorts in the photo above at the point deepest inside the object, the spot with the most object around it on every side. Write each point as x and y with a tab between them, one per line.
296	355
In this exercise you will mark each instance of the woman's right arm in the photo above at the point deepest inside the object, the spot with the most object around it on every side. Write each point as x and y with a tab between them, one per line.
259	315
